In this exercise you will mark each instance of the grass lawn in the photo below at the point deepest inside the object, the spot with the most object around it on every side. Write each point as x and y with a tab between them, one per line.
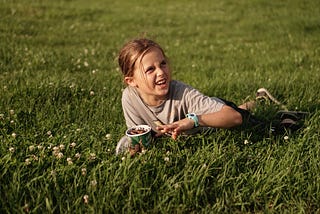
61	116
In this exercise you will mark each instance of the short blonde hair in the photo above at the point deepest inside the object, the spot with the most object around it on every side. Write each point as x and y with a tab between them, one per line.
131	51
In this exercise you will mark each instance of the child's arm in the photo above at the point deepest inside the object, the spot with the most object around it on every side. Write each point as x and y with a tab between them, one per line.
227	117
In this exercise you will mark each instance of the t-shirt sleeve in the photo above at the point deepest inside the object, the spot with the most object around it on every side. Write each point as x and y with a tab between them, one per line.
200	104
130	112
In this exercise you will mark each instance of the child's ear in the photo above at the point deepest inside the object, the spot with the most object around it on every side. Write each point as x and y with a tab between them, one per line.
130	81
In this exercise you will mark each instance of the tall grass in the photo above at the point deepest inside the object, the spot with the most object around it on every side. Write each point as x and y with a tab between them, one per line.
61	116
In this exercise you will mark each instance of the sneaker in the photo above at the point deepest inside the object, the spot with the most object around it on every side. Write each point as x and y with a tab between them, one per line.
290	120
263	93
294	115
123	145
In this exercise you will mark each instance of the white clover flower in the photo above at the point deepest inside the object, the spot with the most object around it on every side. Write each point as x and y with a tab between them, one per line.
12	149
39	147
286	137
93	183
246	142
60	155
85	199
62	147
143	151
91	93
77	155
176	185
14	135
56	149
34	157
12	121
49	133
86	64
108	136
166	159
31	148
93	71
11	111
26	208
69	161
73	144
83	171
123	158
27	161
92	156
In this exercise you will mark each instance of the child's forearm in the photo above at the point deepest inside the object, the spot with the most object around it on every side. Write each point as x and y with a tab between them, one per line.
227	117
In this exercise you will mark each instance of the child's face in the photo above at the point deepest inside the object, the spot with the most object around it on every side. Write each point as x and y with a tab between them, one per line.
151	77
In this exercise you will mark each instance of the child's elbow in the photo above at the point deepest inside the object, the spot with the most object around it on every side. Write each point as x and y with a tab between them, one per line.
238	120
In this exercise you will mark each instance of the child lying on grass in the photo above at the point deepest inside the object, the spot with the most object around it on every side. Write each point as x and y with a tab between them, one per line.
169	106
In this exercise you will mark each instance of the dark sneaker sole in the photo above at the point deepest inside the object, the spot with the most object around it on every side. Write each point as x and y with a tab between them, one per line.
293	115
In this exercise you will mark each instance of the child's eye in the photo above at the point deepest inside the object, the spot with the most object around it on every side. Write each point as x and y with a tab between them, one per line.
150	69
163	62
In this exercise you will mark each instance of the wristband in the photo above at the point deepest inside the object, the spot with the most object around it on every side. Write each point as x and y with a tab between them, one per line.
193	117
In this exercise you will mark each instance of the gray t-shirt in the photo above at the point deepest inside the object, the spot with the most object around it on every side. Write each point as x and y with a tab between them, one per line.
182	99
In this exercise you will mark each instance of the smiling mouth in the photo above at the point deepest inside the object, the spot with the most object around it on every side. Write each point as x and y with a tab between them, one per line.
161	82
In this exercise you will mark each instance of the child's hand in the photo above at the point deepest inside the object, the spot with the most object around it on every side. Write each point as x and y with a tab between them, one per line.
176	128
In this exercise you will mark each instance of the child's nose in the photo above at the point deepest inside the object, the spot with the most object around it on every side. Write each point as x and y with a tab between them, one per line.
160	71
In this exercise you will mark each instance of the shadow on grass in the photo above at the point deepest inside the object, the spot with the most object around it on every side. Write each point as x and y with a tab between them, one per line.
274	124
